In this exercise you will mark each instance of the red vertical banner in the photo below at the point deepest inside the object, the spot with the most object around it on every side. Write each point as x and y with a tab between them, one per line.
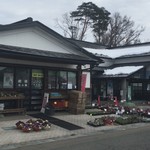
98	101
83	82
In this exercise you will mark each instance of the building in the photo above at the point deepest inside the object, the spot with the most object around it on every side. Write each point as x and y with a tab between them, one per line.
125	73
35	59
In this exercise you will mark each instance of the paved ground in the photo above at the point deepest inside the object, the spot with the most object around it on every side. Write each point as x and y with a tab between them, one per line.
11	137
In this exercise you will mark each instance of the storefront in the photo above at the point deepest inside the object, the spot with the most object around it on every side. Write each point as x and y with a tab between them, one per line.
34	59
134	86
107	88
34	81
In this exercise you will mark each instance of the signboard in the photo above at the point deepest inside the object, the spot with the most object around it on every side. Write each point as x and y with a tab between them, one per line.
129	92
37	74
45	101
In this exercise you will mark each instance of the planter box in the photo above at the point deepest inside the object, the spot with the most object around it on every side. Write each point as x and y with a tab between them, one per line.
127	120
96	113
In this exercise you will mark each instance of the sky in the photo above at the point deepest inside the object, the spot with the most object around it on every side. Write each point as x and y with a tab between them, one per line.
47	11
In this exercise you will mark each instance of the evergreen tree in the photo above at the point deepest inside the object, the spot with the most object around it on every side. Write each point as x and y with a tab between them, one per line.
91	15
83	15
100	23
112	31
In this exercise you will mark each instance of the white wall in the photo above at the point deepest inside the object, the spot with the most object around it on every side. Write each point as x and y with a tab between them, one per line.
34	38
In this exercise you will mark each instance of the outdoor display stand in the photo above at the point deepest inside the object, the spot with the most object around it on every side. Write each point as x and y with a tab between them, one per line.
12	98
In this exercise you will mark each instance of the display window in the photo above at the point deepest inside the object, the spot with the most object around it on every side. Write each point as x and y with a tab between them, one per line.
37	79
6	77
72	80
62	80
52	79
22	78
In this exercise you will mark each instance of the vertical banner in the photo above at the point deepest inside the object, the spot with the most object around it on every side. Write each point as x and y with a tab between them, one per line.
129	93
83	82
99	101
45	101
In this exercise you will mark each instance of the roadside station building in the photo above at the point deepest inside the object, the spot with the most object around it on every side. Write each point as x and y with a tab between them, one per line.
125	73
35	59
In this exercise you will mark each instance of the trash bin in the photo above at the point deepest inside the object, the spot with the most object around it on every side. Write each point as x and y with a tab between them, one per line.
49	110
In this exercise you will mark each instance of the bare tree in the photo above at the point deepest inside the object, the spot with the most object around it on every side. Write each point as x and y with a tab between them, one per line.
69	27
121	31
72	27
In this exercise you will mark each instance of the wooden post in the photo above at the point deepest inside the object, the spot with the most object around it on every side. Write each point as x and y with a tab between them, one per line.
79	77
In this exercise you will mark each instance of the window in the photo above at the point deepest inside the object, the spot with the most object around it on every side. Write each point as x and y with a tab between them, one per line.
6	77
52	79
72	80
136	91
61	80
137	86
37	79
22	78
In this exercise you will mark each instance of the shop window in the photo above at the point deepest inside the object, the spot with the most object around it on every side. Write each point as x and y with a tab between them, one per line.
62	80
72	80
52	79
22	78
37	79
6	77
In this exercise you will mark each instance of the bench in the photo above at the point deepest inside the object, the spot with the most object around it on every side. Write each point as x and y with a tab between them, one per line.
15	110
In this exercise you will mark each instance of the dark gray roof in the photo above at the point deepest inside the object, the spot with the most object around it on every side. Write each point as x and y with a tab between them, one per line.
131	45
30	23
42	55
134	55
86	44
111	76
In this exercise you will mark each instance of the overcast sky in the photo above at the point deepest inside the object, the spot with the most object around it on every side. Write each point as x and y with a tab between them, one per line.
46	11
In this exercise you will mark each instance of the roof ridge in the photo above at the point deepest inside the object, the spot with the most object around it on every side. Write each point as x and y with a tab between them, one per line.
27	20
